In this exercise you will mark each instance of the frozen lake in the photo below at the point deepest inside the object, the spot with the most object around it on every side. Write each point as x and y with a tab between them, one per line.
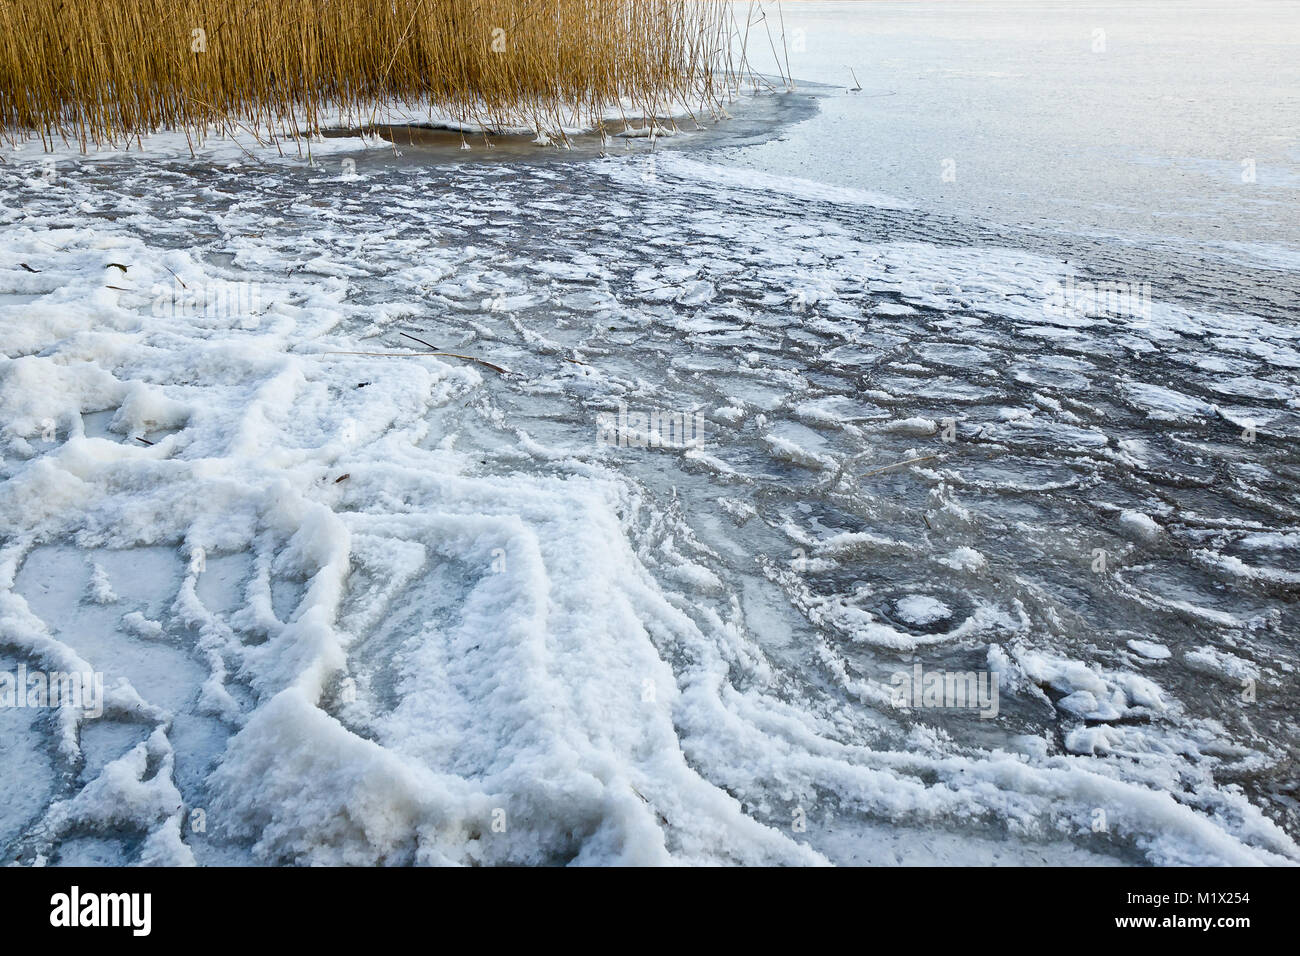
1170	120
770	429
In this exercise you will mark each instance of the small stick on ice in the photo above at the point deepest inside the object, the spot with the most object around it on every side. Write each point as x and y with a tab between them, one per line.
899	464
467	358
177	278
433	348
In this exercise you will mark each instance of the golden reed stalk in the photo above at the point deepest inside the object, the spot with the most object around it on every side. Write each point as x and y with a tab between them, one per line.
109	71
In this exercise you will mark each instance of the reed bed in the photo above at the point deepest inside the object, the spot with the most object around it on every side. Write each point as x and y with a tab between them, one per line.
109	72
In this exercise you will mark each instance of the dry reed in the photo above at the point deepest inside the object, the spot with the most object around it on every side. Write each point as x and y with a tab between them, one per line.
112	71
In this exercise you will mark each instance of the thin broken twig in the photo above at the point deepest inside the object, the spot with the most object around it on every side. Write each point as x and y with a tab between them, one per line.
900	464
467	358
